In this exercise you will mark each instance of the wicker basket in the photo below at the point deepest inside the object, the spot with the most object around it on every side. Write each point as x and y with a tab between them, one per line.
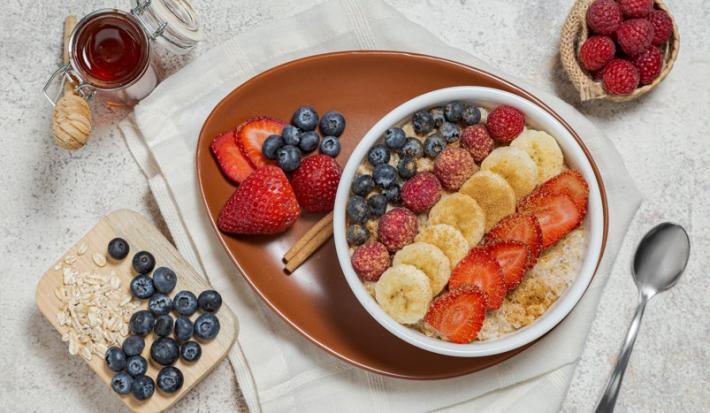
574	33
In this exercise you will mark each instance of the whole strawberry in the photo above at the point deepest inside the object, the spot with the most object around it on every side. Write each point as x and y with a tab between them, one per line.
604	16
596	52
620	77
649	64
263	204
505	123
635	36
662	26
636	8
315	183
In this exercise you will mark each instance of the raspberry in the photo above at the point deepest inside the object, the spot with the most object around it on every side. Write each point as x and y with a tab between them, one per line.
604	16
478	141
370	261
649	64
596	52
397	228
620	77
421	192
636	8
635	36
453	167
662	26
505	123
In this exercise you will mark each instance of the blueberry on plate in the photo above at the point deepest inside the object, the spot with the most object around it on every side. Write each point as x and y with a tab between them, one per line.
362	185
471	115
392	194
163	325
164	279
136	366
143	387
357	209
357	234
271	145
118	248
115	358
209	300
185	303
160	304
450	132
190	351
291	135
395	138
143	262
407	167
330	145
142	286
309	141
305	118
385	175
453	111
164	351
378	155
288	157
121	382
377	204
332	124
183	328
434	145
206	326
412	148
437	114
170	379
423	122
142	322
133	345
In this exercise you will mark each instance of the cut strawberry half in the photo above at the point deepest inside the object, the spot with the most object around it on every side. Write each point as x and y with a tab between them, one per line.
480	269
556	213
230	158
251	135
458	315
570	183
512	256
519	227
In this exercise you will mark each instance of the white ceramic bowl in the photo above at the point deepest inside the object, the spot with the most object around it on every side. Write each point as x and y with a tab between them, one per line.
575	157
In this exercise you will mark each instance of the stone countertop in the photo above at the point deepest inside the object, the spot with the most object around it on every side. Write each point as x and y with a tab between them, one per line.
50	197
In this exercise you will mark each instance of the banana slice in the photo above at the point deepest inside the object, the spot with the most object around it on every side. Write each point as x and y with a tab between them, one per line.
463	213
493	193
446	238
516	166
428	258
544	151
403	291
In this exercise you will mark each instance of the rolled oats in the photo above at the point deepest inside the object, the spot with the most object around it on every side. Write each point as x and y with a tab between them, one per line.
99	259
82	249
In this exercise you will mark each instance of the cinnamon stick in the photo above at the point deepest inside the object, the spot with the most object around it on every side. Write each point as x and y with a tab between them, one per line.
310	234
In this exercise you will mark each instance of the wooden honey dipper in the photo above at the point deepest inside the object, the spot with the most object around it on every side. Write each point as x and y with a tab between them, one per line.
71	118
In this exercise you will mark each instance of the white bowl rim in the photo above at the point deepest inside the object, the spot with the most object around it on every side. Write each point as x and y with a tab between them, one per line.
594	222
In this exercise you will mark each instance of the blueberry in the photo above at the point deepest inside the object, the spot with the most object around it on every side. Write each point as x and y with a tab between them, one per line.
121	383
291	135
450	132
115	358
332	124
164	279
160	304
118	248
330	145
407	167
190	351
423	122
206	326
170	379
143	262
183	328
377	204
453	111
209	300
392	194
378	155
471	115
133	345
309	142
142	286
357	234
289	157
163	325
185	303
142	322
136	366
362	185
412	148
143	387
437	114
433	145
305	118
385	175
357	209
271	145
395	138
164	351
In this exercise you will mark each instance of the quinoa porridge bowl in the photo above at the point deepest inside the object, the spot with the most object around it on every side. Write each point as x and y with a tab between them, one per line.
468	221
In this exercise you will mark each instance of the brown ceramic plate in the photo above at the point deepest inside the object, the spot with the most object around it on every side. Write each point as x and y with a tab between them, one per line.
315	299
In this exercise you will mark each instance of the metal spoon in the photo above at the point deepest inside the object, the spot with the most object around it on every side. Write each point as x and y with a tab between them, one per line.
660	259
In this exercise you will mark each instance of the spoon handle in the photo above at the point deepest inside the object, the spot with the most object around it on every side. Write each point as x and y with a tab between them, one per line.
608	399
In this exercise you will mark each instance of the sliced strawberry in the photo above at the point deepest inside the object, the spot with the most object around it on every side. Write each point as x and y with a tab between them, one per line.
230	158
556	213
512	256
458	315
480	269
251	136
519	227
570	183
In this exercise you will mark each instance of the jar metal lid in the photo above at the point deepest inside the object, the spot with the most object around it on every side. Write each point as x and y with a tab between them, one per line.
173	24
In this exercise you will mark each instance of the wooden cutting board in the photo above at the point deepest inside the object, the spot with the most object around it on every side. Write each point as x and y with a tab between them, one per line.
141	235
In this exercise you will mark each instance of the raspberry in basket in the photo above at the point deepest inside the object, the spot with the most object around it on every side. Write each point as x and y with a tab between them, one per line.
635	36
662	26
620	77
604	16
649	64
636	8
596	52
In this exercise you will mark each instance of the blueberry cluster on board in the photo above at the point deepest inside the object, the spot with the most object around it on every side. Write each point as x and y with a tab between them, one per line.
172	336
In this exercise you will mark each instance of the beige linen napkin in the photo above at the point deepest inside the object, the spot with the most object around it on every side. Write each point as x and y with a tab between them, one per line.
277	369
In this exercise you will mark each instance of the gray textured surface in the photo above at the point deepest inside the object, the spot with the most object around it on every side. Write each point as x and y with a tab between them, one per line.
50	197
